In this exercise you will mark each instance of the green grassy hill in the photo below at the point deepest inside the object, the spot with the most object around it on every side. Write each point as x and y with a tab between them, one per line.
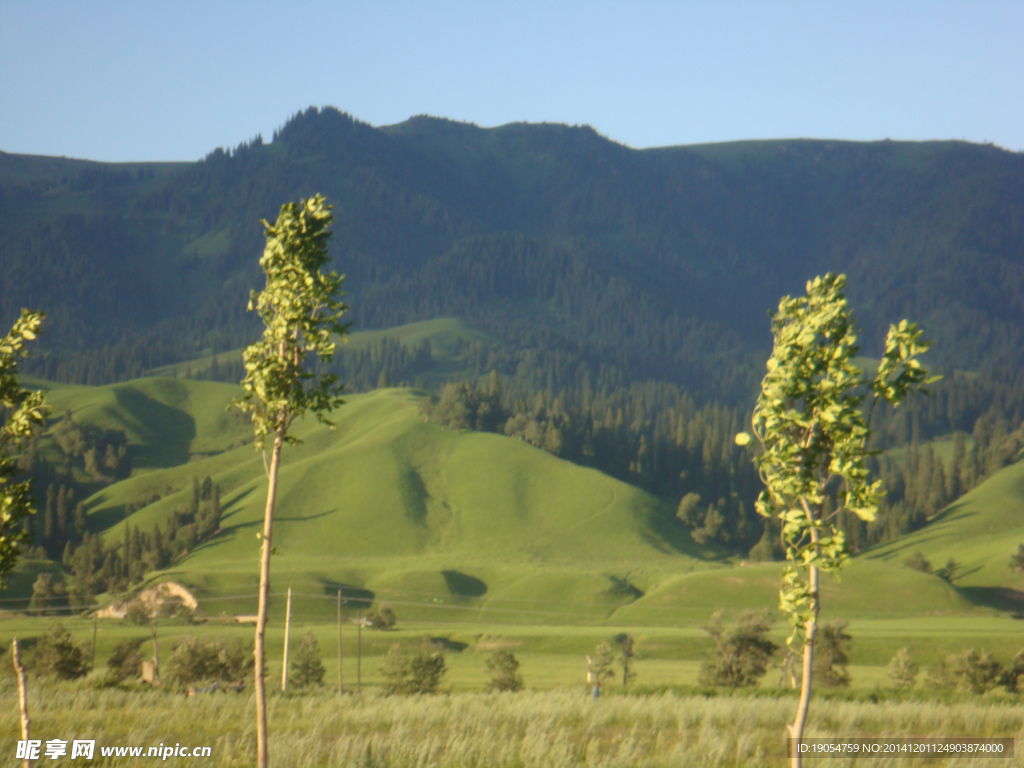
476	526
981	530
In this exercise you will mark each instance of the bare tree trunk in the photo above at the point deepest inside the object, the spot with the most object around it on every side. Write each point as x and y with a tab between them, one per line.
796	730
19	670
261	616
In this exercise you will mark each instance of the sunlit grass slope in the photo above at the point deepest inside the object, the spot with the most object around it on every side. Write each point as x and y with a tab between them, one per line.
390	504
391	508
980	531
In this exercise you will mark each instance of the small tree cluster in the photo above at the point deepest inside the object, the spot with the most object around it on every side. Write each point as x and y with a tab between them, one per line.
971	671
918	562
418	671
383	618
59	655
195	660
307	671
739	658
503	668
126	660
832	655
1017	560
902	670
103	452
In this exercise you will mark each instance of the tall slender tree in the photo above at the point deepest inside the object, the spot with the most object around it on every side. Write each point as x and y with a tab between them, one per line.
814	434
300	307
22	412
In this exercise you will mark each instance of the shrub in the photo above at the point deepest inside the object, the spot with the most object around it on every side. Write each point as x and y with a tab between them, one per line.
504	670
831	655
306	669
1011	677
125	661
600	665
971	671
383	618
136	612
196	660
57	653
413	672
902	670
918	562
740	658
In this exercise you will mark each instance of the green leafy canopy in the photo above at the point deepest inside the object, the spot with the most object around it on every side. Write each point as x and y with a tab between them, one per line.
300	307
24	411
810	422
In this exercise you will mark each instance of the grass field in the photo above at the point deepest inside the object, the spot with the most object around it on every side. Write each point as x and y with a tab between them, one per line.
546	730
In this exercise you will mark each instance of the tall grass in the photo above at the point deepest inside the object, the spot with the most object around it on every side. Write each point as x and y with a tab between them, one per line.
525	730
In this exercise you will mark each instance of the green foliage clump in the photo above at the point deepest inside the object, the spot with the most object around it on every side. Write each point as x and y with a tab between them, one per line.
832	655
383	618
418	671
125	661
949	570
307	671
741	657
1017	559
971	671
195	660
902	670
48	595
918	562
503	668
21	413
599	666
58	654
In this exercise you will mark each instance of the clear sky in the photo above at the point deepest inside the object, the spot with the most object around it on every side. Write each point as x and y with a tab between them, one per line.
172	80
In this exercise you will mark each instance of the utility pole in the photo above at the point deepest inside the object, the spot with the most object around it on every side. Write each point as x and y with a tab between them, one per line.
95	626
287	625
340	690
359	652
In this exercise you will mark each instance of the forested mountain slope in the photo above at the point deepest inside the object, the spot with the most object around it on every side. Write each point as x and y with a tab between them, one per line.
590	262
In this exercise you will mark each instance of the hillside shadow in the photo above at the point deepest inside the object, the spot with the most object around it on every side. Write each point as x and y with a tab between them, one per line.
173	430
463	585
1002	599
446	644
622	589
353	598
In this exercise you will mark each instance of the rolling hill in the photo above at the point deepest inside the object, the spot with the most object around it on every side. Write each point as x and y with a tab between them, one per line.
390	508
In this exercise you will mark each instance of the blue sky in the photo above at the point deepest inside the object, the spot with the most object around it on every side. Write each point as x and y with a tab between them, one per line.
172	80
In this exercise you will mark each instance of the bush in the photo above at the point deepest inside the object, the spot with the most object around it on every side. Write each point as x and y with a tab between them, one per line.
1011	677
504	670
971	671
306	669
918	562
195	660
413	672
137	613
740	658
902	670
383	618
57	654
125	661
831	655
